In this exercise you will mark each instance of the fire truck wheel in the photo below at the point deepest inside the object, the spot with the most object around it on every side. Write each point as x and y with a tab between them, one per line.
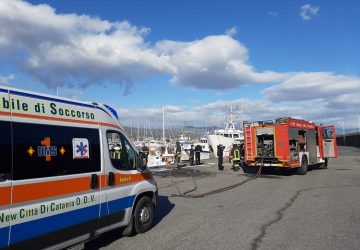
304	166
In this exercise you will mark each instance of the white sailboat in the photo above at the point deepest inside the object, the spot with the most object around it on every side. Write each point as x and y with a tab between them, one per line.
158	150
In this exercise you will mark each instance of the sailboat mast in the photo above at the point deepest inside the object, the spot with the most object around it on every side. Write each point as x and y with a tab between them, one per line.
138	132
163	126
131	131
242	115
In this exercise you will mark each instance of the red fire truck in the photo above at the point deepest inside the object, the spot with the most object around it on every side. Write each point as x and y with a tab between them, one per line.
288	143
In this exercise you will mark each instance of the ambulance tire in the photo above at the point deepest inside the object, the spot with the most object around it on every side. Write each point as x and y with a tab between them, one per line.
304	166
144	215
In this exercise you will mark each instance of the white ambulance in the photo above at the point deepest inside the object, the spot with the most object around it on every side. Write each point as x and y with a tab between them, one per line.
68	173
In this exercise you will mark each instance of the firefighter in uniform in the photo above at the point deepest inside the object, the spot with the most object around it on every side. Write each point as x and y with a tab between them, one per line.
115	153
231	153
220	155
198	150
178	153
191	155
235	155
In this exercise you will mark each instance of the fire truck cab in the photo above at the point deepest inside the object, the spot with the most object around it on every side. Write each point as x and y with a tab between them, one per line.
288	143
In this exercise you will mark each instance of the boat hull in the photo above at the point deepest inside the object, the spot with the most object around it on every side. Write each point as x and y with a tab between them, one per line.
215	140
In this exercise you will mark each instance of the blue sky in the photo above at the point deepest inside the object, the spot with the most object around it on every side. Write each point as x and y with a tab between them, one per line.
273	58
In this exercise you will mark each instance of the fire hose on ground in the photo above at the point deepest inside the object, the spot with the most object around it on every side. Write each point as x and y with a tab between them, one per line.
188	194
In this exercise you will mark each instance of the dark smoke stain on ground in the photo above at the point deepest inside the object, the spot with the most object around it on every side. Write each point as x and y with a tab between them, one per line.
184	173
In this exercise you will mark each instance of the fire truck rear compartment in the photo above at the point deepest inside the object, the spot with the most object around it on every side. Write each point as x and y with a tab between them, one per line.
265	146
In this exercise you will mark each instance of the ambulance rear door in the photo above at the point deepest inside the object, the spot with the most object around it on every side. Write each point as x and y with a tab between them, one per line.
5	169
327	142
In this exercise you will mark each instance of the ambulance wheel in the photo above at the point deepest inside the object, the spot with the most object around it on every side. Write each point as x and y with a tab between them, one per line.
304	166
144	215
324	165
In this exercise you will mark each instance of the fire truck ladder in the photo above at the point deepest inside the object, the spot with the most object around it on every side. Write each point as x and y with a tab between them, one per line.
249	141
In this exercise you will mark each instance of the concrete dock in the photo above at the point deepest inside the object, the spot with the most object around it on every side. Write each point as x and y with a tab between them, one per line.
320	210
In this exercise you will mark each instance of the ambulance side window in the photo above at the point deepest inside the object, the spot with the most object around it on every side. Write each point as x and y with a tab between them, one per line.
122	155
131	155
45	150
115	149
5	150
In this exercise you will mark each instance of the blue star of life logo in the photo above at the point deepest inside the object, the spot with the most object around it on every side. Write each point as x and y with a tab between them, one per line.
82	149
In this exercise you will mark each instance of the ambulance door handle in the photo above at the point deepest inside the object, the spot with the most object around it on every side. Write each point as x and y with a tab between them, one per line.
111	179
94	183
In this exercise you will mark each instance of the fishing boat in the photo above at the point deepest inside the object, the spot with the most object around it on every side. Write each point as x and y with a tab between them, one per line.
226	137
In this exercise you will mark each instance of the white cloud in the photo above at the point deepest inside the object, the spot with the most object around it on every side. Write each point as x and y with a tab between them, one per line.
214	62
6	79
70	49
307	11
349	102
312	85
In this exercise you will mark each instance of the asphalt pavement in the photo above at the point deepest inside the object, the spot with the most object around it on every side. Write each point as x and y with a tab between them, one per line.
320	210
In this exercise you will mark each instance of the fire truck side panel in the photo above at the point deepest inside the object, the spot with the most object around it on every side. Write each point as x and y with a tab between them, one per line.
320	139
282	149
294	147
327	141
311	146
335	143
302	142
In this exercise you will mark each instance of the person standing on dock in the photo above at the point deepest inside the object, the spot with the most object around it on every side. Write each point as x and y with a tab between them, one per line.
191	155
220	155
145	149
178	153
235	157
198	150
